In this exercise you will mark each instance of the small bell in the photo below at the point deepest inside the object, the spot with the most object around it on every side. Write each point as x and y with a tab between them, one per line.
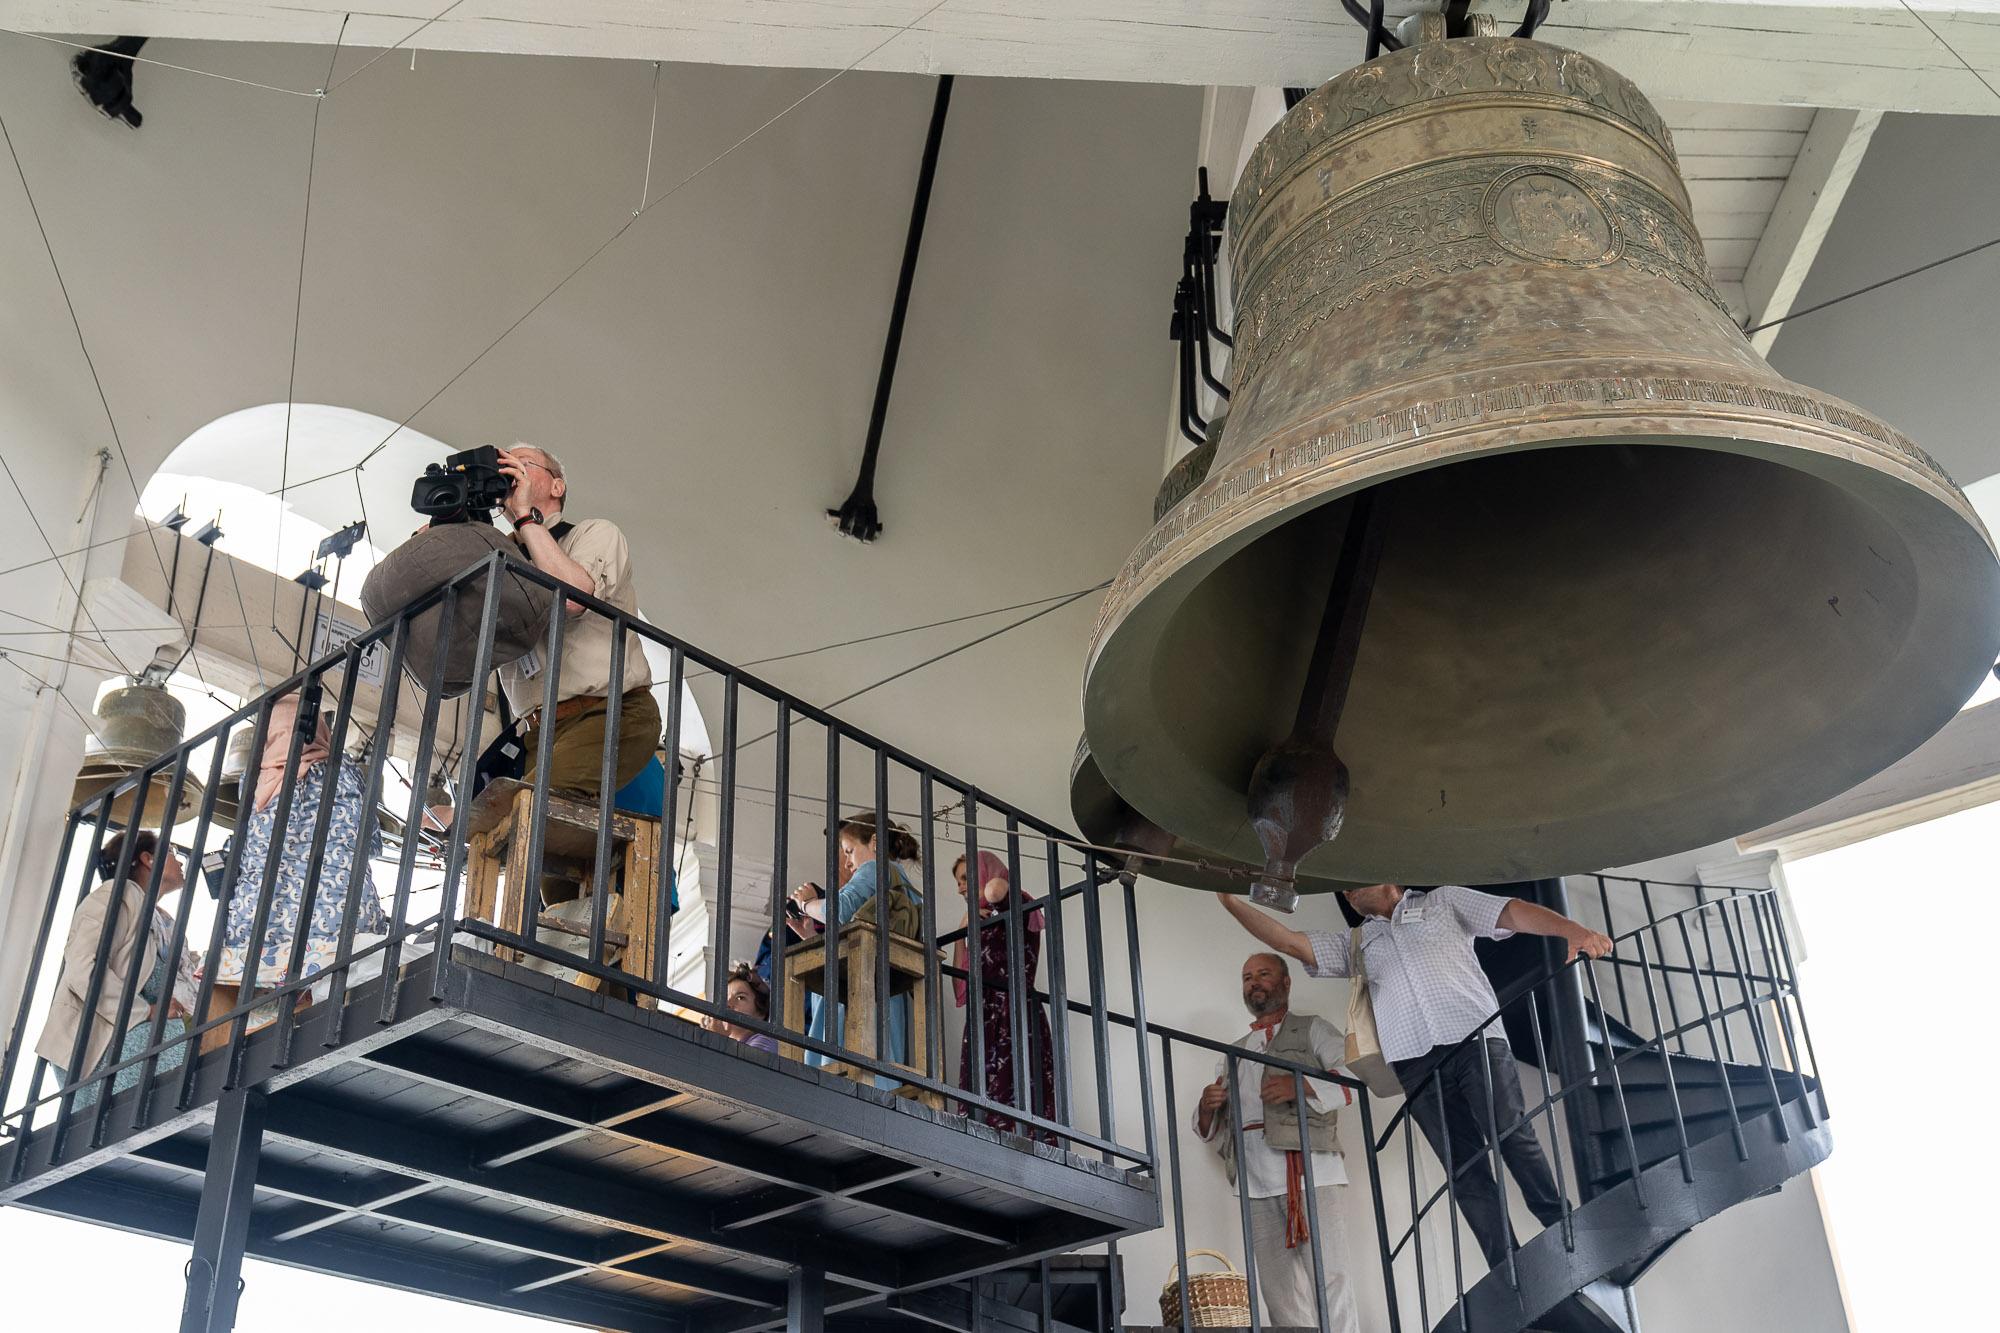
138	723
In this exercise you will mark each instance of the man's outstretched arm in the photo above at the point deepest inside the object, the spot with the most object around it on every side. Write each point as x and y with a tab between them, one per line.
1273	933
1531	919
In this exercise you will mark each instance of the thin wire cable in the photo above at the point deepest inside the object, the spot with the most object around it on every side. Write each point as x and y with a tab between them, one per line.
1875	286
930	661
1939	38
652	132
152	527
249	634
117	441
34	518
361	498
160	64
43	627
909	629
407	38
298	314
953	652
44	631
673	190
7	656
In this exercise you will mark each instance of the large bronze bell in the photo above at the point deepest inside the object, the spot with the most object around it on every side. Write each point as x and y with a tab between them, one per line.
1515	559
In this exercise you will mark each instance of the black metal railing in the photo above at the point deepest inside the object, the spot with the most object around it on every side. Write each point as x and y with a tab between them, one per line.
1701	999
761	788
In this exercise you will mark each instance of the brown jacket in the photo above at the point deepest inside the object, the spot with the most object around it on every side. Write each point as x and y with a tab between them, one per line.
58	1040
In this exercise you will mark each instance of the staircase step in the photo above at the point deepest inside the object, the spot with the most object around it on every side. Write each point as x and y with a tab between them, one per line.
1601	1307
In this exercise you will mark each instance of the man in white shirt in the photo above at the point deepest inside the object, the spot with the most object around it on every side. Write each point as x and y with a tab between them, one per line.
1273	1165
1429	994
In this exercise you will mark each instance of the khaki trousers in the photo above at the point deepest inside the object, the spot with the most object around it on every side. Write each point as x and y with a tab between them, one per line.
576	760
1285	1277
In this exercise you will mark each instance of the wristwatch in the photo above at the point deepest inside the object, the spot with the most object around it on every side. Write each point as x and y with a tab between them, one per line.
532	516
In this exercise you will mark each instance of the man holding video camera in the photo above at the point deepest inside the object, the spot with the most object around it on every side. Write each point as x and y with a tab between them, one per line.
591	556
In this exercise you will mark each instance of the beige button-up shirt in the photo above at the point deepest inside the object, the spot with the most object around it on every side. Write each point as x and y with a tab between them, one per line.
597	545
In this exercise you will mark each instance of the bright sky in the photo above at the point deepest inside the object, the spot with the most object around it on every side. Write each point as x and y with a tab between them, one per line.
1897	991
57	1267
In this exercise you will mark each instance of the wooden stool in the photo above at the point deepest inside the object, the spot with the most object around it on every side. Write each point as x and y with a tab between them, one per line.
500	821
805	970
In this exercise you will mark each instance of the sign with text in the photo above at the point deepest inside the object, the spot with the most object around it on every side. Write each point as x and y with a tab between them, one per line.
332	632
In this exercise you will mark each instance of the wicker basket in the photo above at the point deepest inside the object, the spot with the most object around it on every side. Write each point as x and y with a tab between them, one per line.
1215	1300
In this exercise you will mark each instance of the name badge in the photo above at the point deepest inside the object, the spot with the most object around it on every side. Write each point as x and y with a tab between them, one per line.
1413	912
529	664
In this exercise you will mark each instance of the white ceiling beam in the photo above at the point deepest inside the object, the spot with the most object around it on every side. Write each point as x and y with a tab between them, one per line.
1866	54
1826	164
1957	769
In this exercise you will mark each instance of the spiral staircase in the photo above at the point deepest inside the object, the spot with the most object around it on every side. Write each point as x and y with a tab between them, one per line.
1676	1080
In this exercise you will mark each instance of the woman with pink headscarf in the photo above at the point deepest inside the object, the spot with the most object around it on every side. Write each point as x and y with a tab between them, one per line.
293	851
993	894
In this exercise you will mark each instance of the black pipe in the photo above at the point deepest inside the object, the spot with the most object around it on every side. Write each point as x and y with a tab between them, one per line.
856	516
200	599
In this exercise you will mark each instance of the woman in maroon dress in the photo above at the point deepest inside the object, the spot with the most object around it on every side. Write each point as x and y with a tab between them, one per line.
997	1000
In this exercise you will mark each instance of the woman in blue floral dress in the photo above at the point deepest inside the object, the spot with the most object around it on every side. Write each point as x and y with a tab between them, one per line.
294	852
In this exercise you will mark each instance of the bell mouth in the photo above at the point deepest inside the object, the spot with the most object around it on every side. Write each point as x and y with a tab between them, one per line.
1575	656
102	771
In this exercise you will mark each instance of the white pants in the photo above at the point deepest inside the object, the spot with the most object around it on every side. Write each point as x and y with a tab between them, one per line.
1285	1276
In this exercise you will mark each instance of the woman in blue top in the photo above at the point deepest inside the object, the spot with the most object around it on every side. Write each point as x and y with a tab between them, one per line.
856	902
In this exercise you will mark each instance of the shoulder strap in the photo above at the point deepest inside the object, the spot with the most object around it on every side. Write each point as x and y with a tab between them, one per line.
561	528
1357	966
500	696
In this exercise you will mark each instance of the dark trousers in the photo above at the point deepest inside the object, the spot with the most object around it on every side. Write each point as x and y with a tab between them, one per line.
1452	1112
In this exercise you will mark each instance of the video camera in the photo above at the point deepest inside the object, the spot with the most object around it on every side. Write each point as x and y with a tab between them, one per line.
465	488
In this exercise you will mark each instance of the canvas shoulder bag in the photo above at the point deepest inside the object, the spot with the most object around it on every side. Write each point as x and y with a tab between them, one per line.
1364	1046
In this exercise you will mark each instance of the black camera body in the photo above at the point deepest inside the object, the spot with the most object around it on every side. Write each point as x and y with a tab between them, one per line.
465	488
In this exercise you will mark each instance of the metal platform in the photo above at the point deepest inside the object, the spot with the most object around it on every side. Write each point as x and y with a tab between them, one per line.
525	1144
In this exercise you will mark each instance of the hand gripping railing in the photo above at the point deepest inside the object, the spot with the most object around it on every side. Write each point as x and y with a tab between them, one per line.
1748	990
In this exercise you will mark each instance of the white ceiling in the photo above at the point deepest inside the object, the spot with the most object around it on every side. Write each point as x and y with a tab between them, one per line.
1849	53
707	378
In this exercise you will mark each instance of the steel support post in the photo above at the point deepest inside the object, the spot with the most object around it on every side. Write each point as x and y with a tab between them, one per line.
1568	1043
223	1223
805	1305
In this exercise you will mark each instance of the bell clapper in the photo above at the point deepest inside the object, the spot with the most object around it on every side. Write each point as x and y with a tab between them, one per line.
1298	791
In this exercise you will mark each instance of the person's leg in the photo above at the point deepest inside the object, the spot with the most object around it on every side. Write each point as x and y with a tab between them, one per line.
1522	1149
1445	1115
1284	1276
576	765
576	762
1341	1316
576	758
638	734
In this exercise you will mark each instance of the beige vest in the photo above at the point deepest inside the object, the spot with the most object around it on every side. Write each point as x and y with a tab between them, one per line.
1281	1122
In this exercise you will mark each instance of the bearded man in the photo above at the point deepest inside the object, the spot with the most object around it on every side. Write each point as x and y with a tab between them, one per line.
1276	1136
